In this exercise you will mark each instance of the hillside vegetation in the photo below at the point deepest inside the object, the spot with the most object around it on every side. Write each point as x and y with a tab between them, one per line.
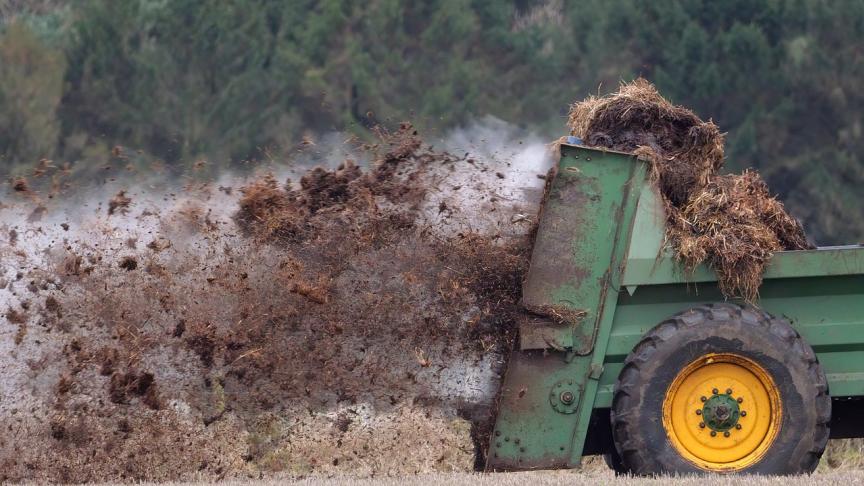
237	80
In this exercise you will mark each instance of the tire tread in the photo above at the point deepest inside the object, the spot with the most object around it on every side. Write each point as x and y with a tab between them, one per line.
635	457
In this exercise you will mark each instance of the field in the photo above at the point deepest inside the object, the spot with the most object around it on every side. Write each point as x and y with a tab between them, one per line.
570	478
843	463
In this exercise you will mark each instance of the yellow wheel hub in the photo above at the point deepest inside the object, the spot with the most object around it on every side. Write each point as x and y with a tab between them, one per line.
722	412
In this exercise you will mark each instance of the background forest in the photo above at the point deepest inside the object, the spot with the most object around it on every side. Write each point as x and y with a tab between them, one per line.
235	80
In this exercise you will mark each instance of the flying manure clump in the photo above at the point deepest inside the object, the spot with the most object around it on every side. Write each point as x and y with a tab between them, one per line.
387	194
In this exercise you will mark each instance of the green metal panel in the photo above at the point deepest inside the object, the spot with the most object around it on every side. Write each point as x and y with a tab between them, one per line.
827	311
571	275
570	270
529	433
837	260
649	262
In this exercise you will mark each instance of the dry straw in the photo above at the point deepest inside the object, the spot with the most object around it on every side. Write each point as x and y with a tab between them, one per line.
730	222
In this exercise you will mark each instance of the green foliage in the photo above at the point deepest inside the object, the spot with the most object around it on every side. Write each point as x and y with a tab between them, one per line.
31	81
184	79
232	80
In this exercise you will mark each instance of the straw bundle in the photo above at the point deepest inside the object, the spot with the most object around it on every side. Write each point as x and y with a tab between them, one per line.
730	222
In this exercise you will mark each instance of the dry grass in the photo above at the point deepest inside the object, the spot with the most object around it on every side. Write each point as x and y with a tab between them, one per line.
842	455
843	463
570	478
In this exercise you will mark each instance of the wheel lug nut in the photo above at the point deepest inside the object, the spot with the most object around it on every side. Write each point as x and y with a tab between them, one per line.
726	434
701	425
728	391
743	413
740	400
738	426
715	391
704	399
698	412
713	433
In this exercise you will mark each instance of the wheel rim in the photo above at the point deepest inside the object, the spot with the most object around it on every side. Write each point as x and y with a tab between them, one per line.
722	412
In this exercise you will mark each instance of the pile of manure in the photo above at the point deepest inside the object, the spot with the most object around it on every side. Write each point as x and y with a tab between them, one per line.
730	222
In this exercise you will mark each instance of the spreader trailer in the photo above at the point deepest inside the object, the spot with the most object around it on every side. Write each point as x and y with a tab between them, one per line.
623	353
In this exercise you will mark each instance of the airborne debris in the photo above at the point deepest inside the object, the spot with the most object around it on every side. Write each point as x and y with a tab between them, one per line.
117	151
275	213
42	168
15	317
37	213
343	296
124	386
119	203
128	263
20	184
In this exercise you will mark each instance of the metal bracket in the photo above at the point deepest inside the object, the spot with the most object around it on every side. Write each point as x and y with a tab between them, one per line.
596	371
565	396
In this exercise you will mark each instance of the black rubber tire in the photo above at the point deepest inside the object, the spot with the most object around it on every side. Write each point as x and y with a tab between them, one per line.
613	460
771	342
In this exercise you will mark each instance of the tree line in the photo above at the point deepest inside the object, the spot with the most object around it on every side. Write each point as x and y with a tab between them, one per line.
236	80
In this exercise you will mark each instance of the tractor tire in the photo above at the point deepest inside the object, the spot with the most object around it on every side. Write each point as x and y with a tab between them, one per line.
669	417
613	460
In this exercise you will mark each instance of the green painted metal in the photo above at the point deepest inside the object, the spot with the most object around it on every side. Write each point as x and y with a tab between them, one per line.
600	278
651	262
572	274
720	412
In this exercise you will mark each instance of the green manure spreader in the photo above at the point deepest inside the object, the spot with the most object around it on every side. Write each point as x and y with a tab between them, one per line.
626	355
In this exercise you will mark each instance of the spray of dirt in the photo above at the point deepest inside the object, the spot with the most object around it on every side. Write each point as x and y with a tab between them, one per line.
353	322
